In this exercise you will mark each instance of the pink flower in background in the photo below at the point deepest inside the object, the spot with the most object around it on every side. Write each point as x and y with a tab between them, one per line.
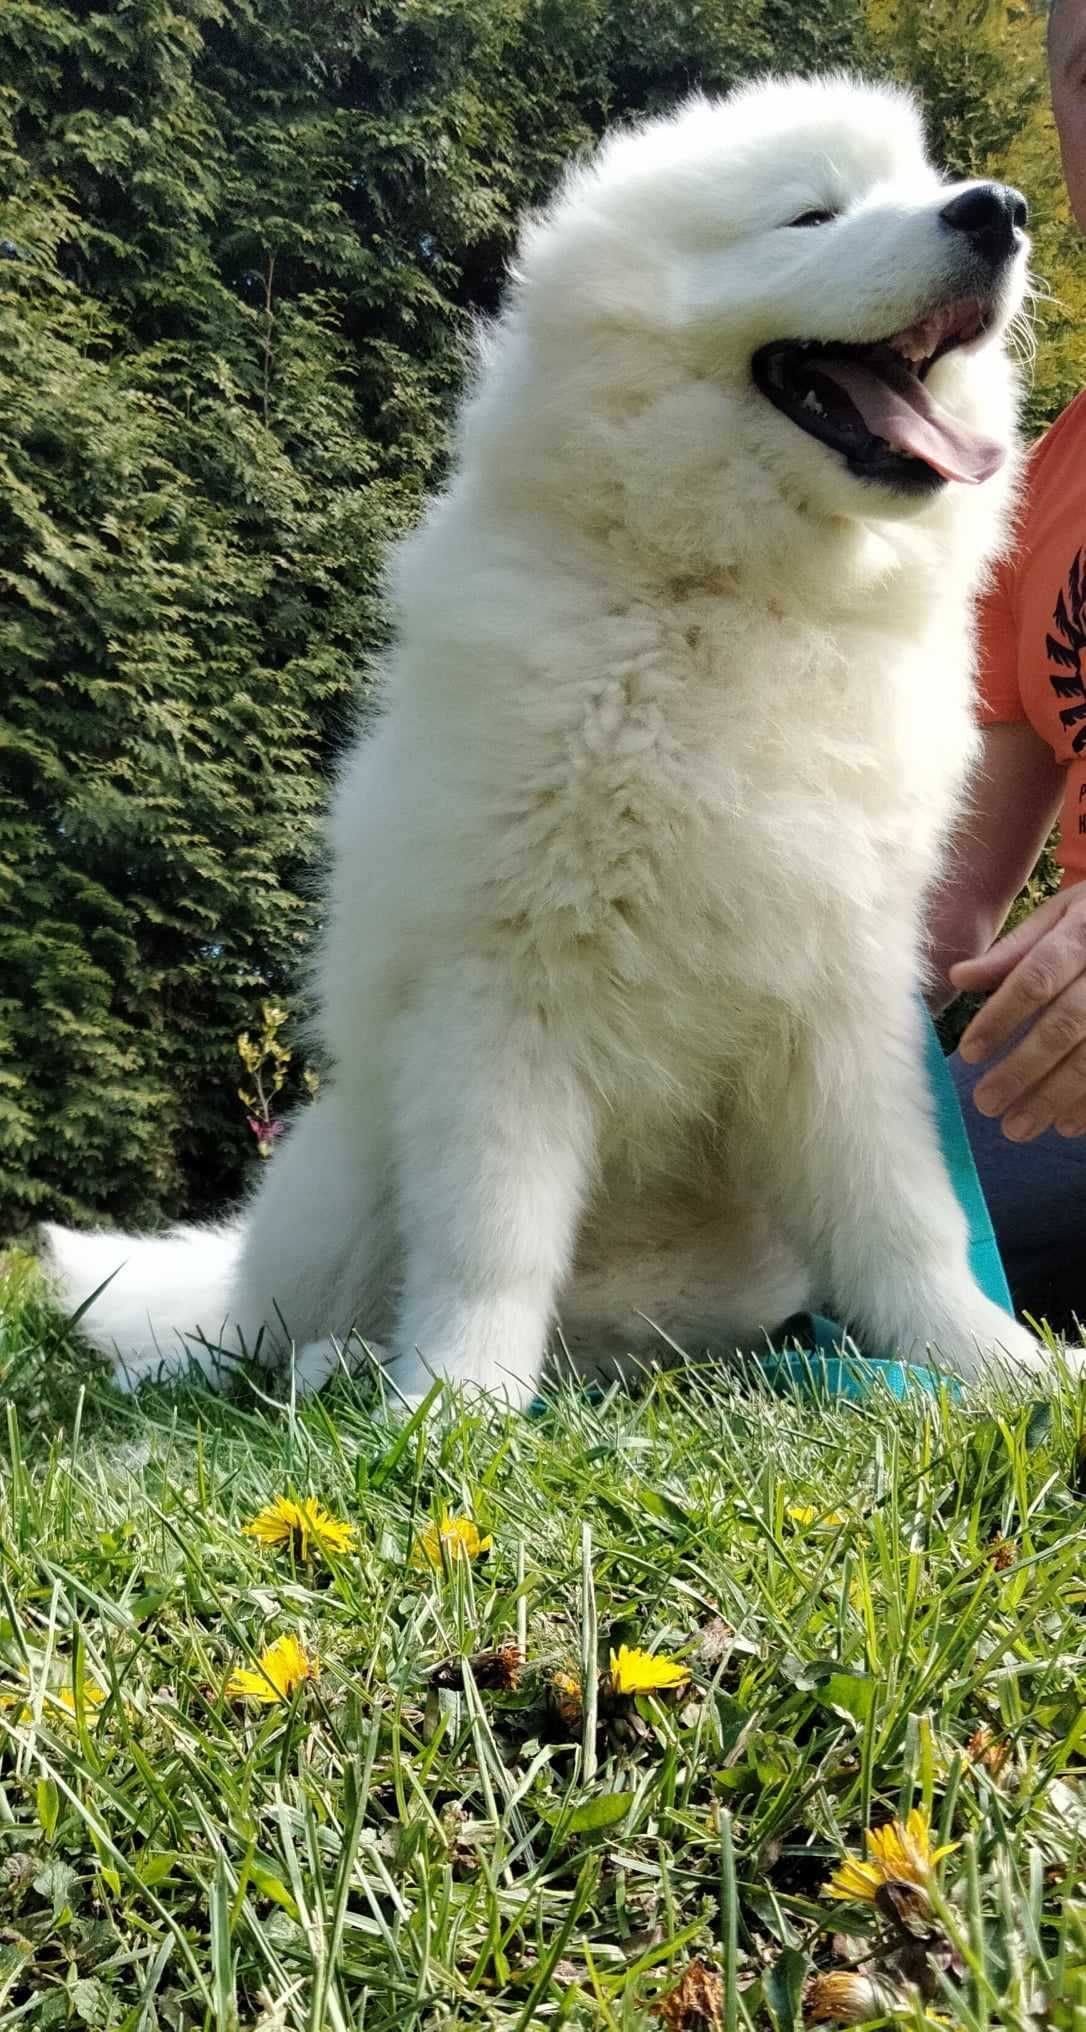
265	1133
266	1060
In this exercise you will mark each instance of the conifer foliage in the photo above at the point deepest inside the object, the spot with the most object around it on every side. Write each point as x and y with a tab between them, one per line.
187	550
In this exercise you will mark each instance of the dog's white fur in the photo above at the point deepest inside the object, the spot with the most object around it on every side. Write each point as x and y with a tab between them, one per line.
620	972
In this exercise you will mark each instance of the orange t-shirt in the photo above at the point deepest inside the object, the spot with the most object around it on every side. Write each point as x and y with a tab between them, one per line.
1033	621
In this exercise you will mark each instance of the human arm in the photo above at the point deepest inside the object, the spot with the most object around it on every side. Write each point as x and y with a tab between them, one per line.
1038	972
1014	803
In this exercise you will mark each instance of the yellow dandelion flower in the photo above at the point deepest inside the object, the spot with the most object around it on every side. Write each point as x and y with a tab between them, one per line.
802	1513
899	1853
457	1537
286	1523
92	1696
281	1670
634	1671
54	1697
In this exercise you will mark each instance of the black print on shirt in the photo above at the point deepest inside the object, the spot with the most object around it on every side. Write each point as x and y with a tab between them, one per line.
1066	649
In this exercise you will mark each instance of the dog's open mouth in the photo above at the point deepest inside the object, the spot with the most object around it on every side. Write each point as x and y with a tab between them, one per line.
870	404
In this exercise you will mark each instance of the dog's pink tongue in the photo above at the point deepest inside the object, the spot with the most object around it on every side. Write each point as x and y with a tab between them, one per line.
911	422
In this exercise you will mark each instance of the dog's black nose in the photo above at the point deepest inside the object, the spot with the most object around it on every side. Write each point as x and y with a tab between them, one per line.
991	214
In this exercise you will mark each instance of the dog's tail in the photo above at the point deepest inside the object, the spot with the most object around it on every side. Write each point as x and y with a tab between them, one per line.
154	1304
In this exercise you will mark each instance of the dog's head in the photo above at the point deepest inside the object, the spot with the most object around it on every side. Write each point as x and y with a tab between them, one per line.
786	277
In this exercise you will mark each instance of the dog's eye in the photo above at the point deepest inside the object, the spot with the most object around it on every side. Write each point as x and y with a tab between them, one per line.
813	219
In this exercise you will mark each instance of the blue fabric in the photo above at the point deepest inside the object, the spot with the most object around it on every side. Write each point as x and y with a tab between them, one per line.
1036	1195
958	1155
830	1364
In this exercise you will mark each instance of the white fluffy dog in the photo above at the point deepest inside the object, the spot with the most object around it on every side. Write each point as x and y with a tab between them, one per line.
623	946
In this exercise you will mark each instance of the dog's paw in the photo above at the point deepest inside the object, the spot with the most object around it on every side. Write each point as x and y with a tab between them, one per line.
190	1361
313	1367
406	1379
315	1364
985	1343
129	1372
410	1381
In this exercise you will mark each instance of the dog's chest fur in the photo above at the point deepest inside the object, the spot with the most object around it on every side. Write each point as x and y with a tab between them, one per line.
695	837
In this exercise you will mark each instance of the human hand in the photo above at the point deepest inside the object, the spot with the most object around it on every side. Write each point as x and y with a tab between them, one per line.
1038	971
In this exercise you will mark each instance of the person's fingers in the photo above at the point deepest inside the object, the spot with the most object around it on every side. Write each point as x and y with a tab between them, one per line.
1058	1101
1048	968
987	969
1055	1038
1073	1122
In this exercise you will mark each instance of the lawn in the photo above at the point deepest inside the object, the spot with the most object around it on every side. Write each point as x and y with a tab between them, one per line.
874	1611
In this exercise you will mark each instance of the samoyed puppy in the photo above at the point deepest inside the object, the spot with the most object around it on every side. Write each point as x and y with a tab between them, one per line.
620	971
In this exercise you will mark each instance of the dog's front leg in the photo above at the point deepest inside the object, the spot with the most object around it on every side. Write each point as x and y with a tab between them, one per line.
494	1138
889	1236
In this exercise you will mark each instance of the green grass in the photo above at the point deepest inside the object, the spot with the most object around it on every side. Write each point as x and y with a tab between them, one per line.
379	1853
